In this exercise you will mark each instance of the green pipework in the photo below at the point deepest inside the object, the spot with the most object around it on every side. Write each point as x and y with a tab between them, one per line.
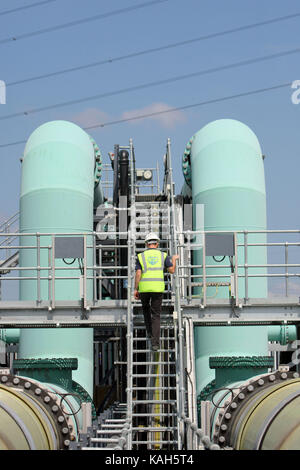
186	163
233	341
227	180
236	368
57	196
282	334
55	371
186	191
98	192
10	335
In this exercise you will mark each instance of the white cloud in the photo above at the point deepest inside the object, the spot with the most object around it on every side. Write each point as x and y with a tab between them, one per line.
90	117
162	113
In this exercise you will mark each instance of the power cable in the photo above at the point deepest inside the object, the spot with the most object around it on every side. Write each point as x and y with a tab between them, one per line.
32	5
144	52
179	108
190	106
79	22
147	85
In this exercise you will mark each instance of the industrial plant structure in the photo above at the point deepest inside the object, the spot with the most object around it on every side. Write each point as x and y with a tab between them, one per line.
77	371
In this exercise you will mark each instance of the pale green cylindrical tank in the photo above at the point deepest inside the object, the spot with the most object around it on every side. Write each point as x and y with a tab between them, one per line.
224	167
57	193
227	177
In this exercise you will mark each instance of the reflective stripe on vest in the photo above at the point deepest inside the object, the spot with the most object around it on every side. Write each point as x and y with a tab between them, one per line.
152	262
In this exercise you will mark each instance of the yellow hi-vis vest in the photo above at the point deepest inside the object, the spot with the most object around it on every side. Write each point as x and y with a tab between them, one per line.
152	262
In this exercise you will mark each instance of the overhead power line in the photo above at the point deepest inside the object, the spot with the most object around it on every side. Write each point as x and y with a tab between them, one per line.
137	54
189	106
25	7
79	22
149	84
147	51
179	108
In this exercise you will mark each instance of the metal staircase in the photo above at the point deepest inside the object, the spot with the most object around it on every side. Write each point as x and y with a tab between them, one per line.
9	258
154	383
154	391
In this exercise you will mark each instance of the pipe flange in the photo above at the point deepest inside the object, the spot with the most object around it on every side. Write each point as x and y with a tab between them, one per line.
46	363
186	163
85	397
218	362
98	162
226	418
205	392
284	334
43	396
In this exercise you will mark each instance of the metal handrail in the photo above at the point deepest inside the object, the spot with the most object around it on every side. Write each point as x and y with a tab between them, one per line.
9	222
177	305
244	269
130	290
196	438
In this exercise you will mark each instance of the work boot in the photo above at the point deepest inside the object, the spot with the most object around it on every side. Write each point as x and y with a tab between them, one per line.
154	345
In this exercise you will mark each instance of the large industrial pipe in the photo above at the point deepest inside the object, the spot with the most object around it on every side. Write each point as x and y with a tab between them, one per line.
57	193
223	164
260	414
33	416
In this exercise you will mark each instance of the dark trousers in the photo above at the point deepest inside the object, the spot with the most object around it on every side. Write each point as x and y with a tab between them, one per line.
151	302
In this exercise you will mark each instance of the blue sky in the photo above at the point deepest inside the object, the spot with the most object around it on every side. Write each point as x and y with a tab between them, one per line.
272	115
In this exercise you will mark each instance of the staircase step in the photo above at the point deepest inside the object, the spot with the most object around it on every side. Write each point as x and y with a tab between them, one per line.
155	429
136	351
114	426
154	442
104	440
147	339
109	431
154	388
154	415
155	363
164	324
153	375
115	420
148	402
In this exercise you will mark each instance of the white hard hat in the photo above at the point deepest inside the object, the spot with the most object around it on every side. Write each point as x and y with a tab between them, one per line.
152	236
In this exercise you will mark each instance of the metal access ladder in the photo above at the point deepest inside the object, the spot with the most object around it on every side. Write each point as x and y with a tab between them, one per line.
154	391
154	382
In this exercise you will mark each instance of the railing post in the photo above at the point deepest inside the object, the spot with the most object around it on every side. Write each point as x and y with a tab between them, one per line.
49	276
189	270
94	269
38	258
204	270
286	259
53	272
246	264
236	270
84	270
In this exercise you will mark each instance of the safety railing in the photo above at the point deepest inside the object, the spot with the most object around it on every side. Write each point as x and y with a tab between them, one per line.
253	271
7	228
9	224
94	266
264	264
